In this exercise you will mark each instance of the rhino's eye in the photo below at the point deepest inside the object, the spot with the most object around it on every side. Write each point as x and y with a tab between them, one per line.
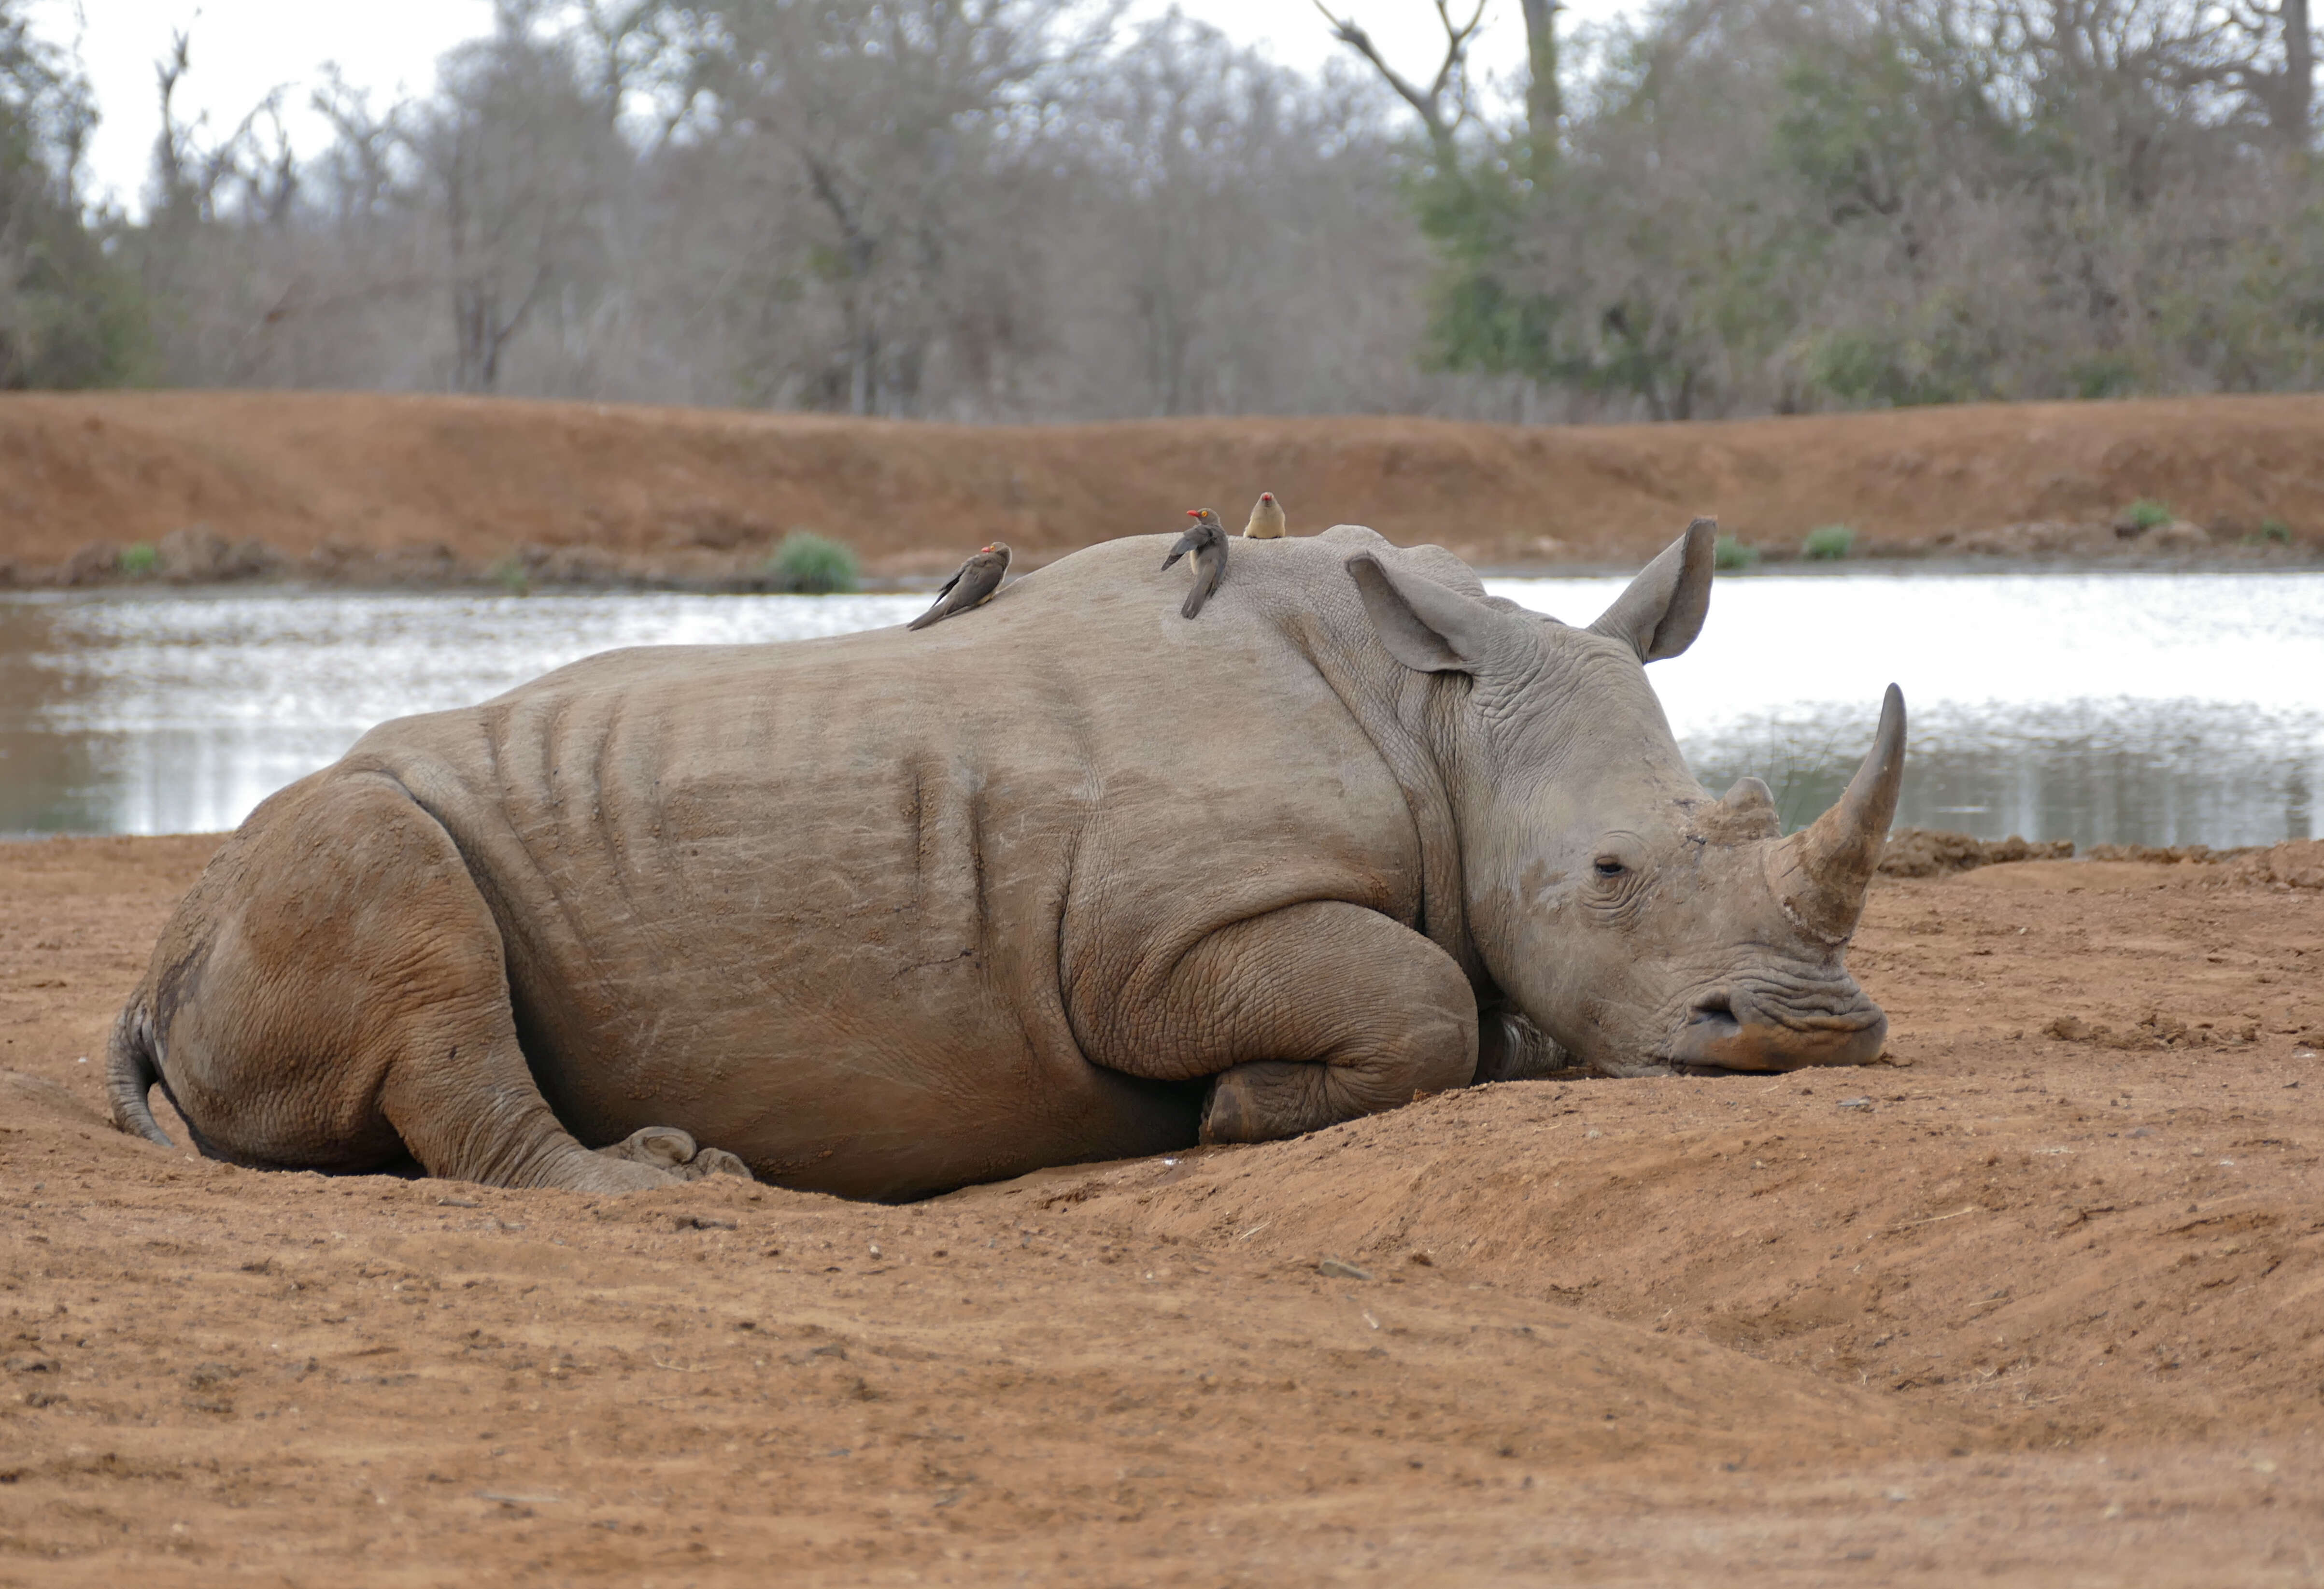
1608	866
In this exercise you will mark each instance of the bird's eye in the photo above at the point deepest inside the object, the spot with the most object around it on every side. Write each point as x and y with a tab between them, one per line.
1608	866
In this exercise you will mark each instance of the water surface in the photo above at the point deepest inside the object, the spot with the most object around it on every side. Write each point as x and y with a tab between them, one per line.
2104	708
2100	708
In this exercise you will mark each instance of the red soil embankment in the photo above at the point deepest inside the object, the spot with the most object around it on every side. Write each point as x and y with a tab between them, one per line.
696	492
2037	1304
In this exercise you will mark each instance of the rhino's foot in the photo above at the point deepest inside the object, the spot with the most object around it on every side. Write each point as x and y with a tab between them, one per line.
709	1162
1264	1102
673	1153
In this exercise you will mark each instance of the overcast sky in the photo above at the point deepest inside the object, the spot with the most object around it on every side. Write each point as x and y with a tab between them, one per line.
242	49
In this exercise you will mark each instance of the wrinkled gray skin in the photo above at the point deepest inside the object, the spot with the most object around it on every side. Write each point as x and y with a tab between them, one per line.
1066	879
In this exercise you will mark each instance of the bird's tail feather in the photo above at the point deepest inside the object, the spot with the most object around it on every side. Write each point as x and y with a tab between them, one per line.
1206	584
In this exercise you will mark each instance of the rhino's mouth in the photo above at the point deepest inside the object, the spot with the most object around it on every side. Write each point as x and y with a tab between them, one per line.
1720	1039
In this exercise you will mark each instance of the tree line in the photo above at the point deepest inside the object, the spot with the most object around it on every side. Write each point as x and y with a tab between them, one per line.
1022	210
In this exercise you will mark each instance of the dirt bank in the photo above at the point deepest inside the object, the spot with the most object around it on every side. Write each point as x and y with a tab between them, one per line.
2021	1310
411	490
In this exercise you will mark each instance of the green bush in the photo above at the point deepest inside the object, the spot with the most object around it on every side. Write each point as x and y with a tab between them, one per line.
1828	544
2107	375
510	575
806	564
1900	371
139	561
2276	533
1732	553
2146	513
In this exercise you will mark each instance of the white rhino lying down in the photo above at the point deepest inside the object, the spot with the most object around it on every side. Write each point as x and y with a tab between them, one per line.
1066	879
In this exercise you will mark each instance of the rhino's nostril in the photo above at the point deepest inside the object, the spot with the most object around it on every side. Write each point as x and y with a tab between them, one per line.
1713	1009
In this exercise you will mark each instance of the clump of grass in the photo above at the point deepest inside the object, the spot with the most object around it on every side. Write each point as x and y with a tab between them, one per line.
510	575
808	564
2146	513
1731	553
139	561
1828	543
2276	533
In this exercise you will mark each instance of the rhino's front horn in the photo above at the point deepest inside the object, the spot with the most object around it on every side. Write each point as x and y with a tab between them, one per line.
1822	871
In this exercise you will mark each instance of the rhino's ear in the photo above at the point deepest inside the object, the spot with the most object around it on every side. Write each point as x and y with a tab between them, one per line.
1663	611
1424	625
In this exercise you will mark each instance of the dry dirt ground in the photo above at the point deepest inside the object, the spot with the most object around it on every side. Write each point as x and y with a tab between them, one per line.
2018	1309
403	489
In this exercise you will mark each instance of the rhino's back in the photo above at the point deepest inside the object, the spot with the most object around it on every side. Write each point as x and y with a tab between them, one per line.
823	888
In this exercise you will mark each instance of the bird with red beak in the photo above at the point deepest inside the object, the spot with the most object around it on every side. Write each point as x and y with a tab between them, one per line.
973	585
1204	545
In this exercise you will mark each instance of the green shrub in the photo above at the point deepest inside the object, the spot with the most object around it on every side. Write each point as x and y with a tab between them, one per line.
139	561
2106	375
2146	513
1732	553
806	564
2276	533
1828	544
510	575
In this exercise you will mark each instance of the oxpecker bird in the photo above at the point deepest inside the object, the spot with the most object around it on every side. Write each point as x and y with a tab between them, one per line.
1207	541
972	586
1265	519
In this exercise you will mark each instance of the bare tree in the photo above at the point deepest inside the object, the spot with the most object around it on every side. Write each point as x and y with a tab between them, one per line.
1445	104
2281	79
357	169
515	151
884	114
1544	96
187	178
1000	210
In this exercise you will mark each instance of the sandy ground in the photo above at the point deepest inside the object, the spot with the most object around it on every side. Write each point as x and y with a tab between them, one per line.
409	489
2017	1310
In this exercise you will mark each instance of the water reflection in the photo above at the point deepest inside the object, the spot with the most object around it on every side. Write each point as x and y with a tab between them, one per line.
177	715
2122	708
2117	708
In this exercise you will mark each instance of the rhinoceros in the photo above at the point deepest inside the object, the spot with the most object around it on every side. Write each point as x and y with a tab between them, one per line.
1072	878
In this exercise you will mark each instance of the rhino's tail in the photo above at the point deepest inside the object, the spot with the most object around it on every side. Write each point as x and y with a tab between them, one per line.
131	1069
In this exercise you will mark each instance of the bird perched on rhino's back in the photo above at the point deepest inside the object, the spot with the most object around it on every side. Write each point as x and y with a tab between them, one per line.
1206	542
1265	519
971	586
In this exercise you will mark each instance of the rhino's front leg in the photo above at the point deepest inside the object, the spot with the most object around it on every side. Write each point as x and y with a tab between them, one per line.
1305	1016
669	1149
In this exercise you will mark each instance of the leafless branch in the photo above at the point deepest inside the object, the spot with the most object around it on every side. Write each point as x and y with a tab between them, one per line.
1428	103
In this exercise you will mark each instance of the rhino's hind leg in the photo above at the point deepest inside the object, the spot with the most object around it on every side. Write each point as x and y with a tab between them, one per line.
333	994
1308	1016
